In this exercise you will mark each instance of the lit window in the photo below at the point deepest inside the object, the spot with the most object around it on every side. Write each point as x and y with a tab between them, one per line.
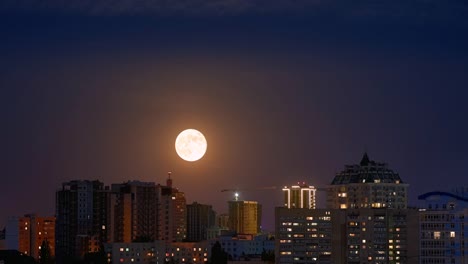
436	235
452	234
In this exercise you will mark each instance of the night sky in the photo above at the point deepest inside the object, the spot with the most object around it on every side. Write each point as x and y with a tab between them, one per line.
283	90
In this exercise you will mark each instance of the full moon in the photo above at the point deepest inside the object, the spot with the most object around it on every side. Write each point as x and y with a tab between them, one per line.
190	145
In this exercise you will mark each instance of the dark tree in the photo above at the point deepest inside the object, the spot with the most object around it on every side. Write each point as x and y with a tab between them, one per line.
218	255
44	253
98	257
268	256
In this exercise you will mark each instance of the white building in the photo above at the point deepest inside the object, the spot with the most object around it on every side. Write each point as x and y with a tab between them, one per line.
443	228
368	184
241	247
299	196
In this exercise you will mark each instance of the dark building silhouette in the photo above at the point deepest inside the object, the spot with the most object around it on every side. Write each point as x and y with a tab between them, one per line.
15	257
172	213
200	217
82	218
134	207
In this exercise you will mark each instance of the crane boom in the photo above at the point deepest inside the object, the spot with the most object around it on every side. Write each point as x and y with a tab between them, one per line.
250	189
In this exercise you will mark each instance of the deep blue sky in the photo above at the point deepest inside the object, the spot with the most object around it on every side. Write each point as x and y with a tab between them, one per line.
284	91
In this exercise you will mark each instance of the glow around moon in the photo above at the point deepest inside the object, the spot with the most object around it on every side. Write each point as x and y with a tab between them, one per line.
190	145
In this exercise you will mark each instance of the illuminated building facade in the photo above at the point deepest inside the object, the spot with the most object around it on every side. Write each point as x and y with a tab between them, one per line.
443	228
27	233
299	196
187	252
136	253
366	220
346	236
157	252
245	217
381	235
308	236
369	184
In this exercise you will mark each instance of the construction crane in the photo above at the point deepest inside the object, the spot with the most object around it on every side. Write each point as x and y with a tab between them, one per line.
236	191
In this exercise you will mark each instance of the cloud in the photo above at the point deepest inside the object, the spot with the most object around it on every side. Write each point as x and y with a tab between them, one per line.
415	11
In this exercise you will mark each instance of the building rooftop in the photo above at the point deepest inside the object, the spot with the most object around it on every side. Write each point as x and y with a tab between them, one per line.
367	171
447	194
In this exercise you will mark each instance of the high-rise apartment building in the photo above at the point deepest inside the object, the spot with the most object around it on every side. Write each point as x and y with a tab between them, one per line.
245	217
172	213
443	228
82	216
309	236
299	196
222	220
381	235
368	184
200	217
26	234
144	211
366	221
134	211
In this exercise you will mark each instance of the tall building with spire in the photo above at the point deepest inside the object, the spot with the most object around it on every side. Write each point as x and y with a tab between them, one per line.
366	220
172	213
368	184
299	196
145	211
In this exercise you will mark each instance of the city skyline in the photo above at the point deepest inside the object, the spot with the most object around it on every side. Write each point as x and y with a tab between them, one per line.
282	92
236	194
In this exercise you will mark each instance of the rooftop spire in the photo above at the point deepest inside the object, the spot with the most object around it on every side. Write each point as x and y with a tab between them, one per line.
365	160
169	180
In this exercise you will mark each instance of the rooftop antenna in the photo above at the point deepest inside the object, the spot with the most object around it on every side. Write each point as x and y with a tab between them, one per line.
169	180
